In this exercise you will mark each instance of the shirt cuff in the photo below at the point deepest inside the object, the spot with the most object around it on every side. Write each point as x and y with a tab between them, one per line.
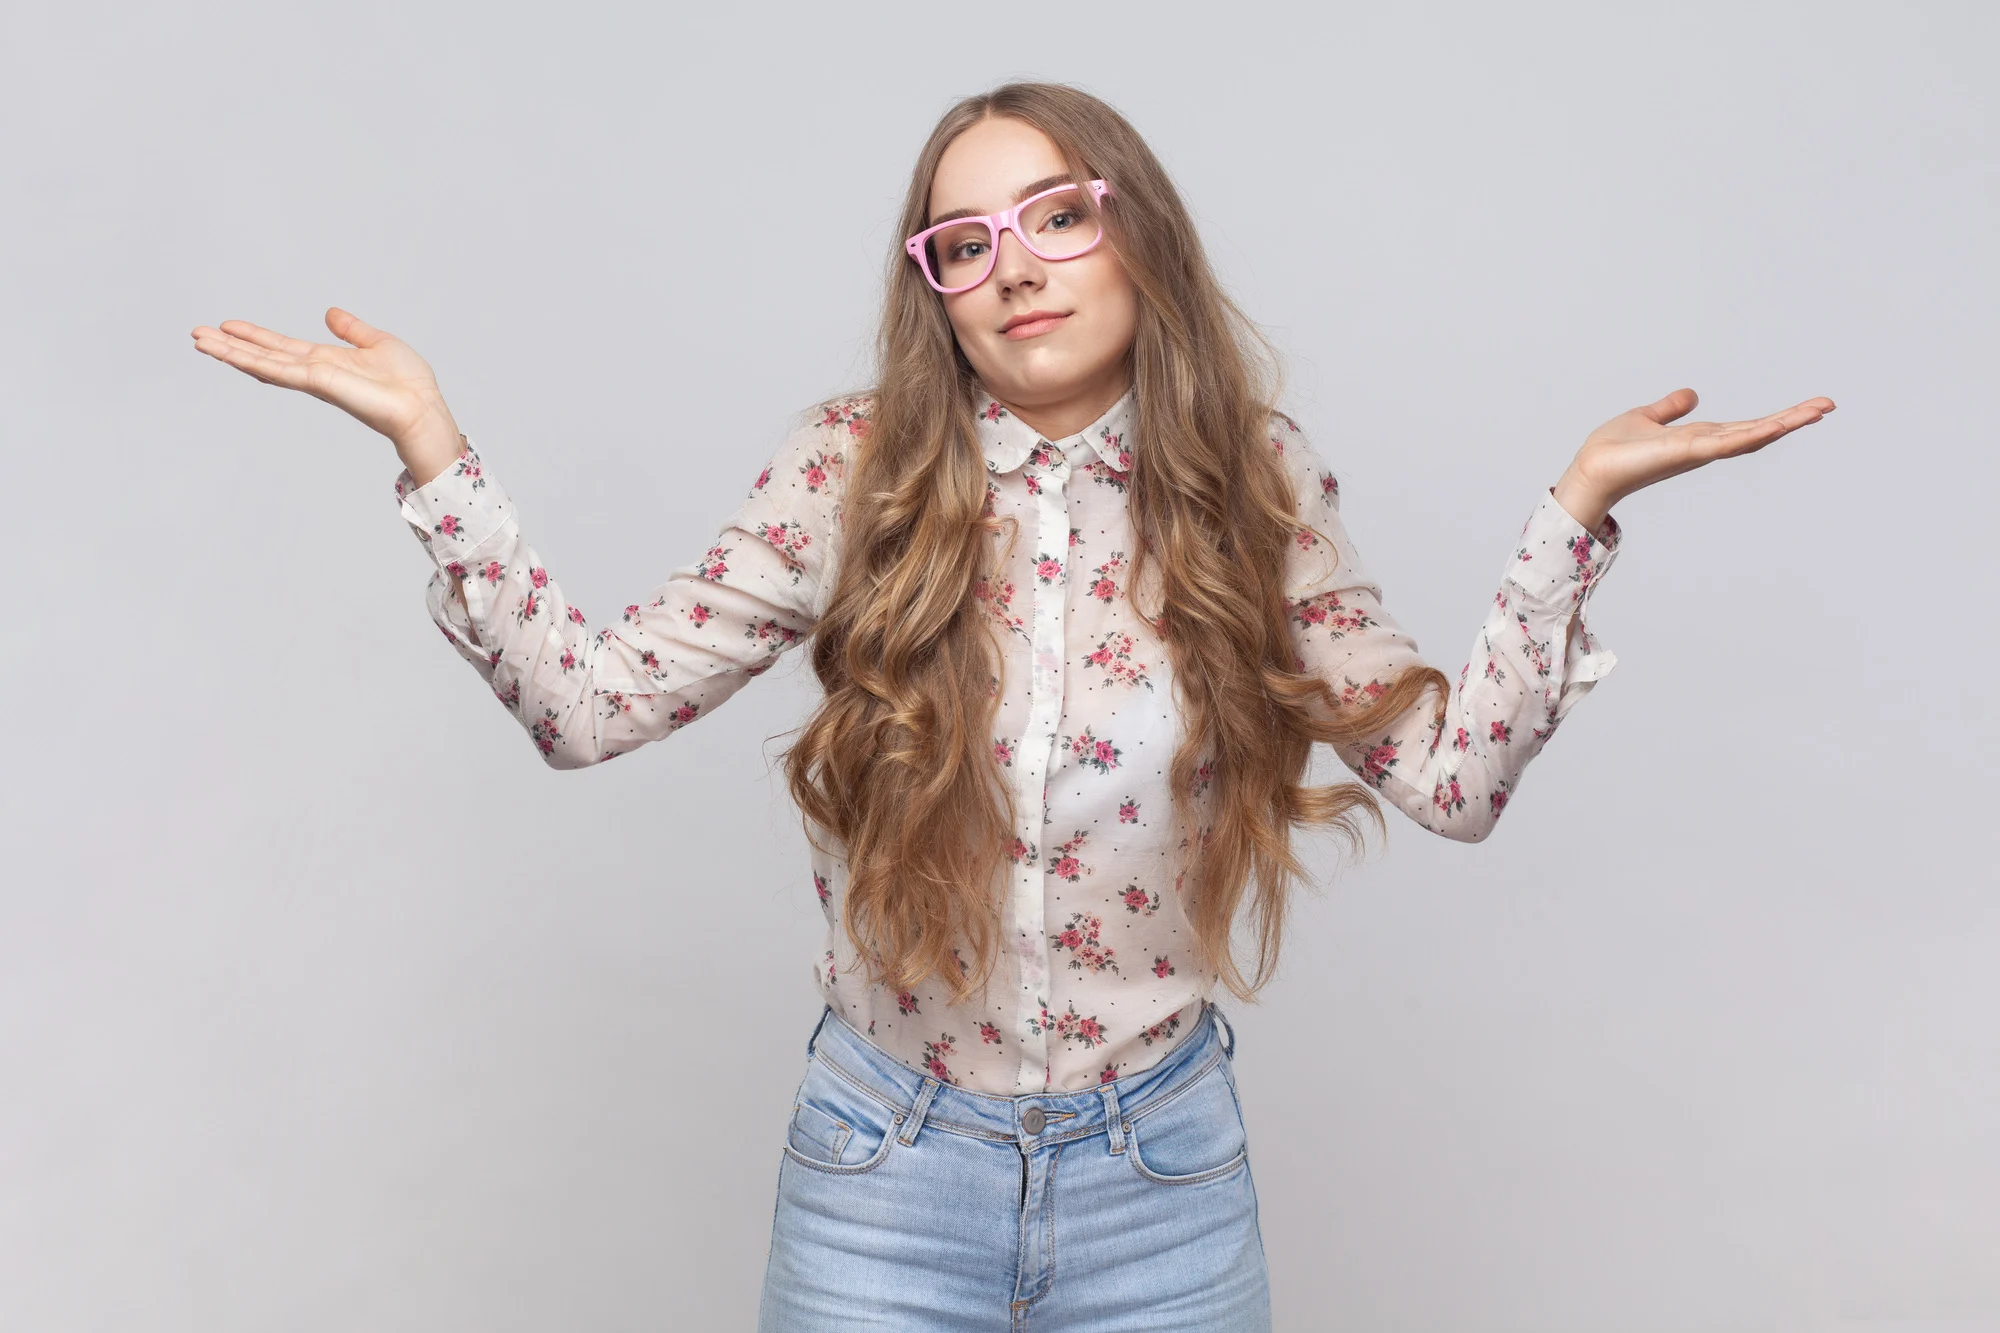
454	512
1559	560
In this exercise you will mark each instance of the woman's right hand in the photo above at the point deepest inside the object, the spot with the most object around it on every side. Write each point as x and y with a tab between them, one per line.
380	381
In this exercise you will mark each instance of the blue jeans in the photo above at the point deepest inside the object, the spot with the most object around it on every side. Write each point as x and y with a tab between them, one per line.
908	1204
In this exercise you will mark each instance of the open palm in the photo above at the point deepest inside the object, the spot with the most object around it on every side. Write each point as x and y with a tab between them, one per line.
379	380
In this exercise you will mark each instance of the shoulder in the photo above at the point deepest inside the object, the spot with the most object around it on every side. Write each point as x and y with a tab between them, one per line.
1311	477
809	467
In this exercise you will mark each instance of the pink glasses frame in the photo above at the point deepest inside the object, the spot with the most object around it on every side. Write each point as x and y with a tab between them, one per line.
1008	219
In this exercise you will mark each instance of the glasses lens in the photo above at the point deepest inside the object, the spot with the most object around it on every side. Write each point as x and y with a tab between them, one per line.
958	255
1058	226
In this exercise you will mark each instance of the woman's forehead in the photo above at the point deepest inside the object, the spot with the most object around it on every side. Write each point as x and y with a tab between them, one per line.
984	168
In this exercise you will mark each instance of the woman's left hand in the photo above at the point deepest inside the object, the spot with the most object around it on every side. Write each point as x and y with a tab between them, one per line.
1637	448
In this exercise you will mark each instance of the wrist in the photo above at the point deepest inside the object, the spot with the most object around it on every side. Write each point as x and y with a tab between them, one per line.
1582	502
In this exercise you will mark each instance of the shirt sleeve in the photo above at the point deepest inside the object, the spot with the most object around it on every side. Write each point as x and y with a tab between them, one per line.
586	694
1533	659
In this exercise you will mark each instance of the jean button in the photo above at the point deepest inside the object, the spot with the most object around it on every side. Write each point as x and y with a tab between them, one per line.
1032	1120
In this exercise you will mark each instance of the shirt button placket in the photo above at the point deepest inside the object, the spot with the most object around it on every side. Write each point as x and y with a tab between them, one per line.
1038	744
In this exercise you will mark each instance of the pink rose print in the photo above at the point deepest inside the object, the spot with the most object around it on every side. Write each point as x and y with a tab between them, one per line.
1105	475
907	1002
567	660
1108	1073
1067	865
1462	741
819	467
576	615
539	577
491	571
529	606
1500	731
1070	1026
1080	937
1032	482
1277	444
849	412
1114	655
1204	776
546	731
1075	537
999	599
934	1054
1325	611
1162	968
700	614
1003	753
450	525
763	479
1048	569
1042	456
455	569
1163	1029
1328	487
1104	579
713	566
993	411
1448	798
821	888
649	659
683	715
1128	811
788	540
1375	765
1090	752
831	971
1139	902
1113	449
1497	800
1352	694
989	1034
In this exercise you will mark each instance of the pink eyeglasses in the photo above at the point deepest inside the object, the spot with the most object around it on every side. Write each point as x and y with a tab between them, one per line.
958	255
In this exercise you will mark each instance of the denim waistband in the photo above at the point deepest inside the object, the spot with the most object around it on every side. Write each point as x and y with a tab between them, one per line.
920	1099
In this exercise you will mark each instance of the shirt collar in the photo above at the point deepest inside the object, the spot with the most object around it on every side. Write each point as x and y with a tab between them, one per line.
1008	440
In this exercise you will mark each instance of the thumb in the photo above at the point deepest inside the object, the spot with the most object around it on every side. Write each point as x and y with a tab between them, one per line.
1676	404
350	329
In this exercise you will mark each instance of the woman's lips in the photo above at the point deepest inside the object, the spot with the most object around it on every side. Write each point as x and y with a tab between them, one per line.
1035	327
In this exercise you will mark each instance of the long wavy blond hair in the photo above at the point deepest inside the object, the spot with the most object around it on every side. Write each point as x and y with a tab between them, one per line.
897	761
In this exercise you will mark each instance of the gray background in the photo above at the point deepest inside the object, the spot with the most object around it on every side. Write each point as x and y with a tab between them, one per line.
324	1005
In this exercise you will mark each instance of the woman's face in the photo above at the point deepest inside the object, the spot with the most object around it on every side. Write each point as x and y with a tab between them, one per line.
1073	362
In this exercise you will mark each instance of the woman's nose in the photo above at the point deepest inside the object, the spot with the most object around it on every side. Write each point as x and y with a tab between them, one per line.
1014	265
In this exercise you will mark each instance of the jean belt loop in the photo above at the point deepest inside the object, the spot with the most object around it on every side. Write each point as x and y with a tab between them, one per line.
825	1012
1114	1119
1229	1042
914	1120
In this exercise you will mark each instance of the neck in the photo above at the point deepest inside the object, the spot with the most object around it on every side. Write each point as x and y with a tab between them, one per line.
1062	419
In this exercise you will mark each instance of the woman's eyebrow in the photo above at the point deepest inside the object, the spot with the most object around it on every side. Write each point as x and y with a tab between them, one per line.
1032	187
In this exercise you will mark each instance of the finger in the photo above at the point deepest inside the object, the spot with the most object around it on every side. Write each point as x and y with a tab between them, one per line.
1749	436
1671	408
242	344
256	362
350	329
263	337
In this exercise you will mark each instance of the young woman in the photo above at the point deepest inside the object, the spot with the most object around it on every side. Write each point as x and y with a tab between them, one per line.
1081	603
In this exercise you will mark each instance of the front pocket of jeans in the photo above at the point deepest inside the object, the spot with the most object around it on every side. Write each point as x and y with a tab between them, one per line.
1196	1136
817	1134
837	1128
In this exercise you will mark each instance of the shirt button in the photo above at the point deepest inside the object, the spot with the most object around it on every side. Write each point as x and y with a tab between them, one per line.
1032	1120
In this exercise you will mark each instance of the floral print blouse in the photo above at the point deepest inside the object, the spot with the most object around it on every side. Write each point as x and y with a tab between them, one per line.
1099	979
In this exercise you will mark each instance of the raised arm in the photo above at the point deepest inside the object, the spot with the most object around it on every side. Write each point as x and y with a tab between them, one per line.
1532	660
585	694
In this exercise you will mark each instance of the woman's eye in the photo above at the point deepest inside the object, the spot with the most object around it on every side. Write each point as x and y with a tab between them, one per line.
965	250
1064	220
